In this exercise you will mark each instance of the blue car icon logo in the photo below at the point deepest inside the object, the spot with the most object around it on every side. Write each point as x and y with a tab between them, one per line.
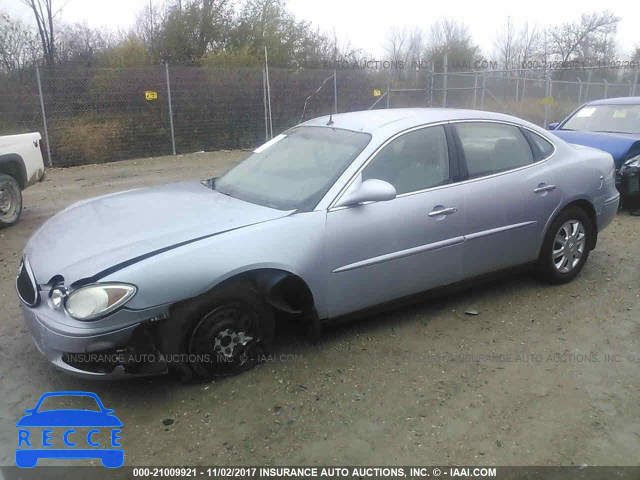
85	434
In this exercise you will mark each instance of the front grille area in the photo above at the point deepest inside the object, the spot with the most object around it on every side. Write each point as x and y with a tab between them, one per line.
26	285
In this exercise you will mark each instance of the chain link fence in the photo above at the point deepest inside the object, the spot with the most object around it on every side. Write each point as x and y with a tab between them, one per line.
535	95
106	114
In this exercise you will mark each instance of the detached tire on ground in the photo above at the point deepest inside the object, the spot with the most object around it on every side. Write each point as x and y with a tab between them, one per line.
566	246
218	334
10	201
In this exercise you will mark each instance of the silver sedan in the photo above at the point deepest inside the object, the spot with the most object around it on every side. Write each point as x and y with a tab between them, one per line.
332	217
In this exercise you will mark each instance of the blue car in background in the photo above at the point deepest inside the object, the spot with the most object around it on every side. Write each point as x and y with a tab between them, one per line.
612	125
32	446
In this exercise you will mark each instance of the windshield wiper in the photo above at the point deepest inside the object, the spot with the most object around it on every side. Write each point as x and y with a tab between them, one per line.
608	131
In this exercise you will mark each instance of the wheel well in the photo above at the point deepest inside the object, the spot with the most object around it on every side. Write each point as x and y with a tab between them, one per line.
589	209
283	290
12	165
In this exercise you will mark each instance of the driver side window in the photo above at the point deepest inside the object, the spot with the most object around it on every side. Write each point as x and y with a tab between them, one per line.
414	161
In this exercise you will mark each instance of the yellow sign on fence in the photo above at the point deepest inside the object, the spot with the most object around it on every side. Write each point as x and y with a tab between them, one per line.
150	95
377	93
547	101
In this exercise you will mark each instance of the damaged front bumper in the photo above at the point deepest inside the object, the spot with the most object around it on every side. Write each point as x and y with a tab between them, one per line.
88	351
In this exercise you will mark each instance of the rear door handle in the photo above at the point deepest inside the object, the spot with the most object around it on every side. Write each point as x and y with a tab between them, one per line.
544	188
443	211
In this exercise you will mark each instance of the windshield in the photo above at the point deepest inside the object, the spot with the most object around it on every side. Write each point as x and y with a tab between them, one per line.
606	118
66	402
293	171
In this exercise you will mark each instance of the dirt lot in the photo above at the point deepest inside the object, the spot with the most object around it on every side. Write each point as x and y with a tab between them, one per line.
527	381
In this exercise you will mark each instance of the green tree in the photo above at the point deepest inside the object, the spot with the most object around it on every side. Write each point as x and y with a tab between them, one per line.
289	42
128	51
191	29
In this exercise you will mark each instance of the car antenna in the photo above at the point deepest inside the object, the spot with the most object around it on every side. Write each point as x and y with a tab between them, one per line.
330	122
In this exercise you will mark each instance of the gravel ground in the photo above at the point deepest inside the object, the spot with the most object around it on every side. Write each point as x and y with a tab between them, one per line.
533	379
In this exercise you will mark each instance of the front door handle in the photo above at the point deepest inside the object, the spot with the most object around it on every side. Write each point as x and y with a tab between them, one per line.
544	188
443	211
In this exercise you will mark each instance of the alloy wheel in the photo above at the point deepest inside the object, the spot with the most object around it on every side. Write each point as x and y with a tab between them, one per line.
569	246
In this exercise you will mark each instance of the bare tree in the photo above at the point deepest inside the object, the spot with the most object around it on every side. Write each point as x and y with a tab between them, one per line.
148	25
453	38
591	38
80	43
404	45
529	44
44	13
506	45
405	48
18	45
515	47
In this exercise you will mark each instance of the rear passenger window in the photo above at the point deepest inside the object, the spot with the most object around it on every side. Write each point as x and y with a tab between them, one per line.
493	148
544	147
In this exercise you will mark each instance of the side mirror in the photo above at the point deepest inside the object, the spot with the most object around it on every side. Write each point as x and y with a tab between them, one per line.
553	126
371	190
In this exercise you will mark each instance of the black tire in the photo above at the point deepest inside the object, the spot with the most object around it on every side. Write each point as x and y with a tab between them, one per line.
10	201
631	203
219	334
556	267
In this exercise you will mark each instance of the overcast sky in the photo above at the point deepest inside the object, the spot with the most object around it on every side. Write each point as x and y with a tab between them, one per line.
365	23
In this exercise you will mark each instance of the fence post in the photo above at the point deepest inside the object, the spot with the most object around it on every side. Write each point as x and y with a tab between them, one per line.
475	89
445	69
431	82
388	88
484	87
44	116
173	136
586	94
266	71
546	103
606	87
524	86
335	91
266	111
580	90
635	82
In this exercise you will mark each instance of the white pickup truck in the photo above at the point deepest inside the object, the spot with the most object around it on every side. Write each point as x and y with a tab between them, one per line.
21	165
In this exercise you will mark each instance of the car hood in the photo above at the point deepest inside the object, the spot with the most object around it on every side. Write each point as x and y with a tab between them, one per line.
617	144
98	236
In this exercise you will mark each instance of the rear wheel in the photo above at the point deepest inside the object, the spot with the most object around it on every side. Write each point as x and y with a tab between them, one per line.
10	201
220	334
566	246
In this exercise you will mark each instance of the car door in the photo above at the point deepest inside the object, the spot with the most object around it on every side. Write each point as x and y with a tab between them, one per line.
510	194
382	251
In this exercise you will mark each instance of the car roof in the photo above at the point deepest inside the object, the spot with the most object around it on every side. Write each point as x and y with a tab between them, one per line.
399	119
616	101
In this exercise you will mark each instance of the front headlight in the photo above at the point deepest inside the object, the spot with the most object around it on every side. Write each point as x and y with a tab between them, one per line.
93	301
